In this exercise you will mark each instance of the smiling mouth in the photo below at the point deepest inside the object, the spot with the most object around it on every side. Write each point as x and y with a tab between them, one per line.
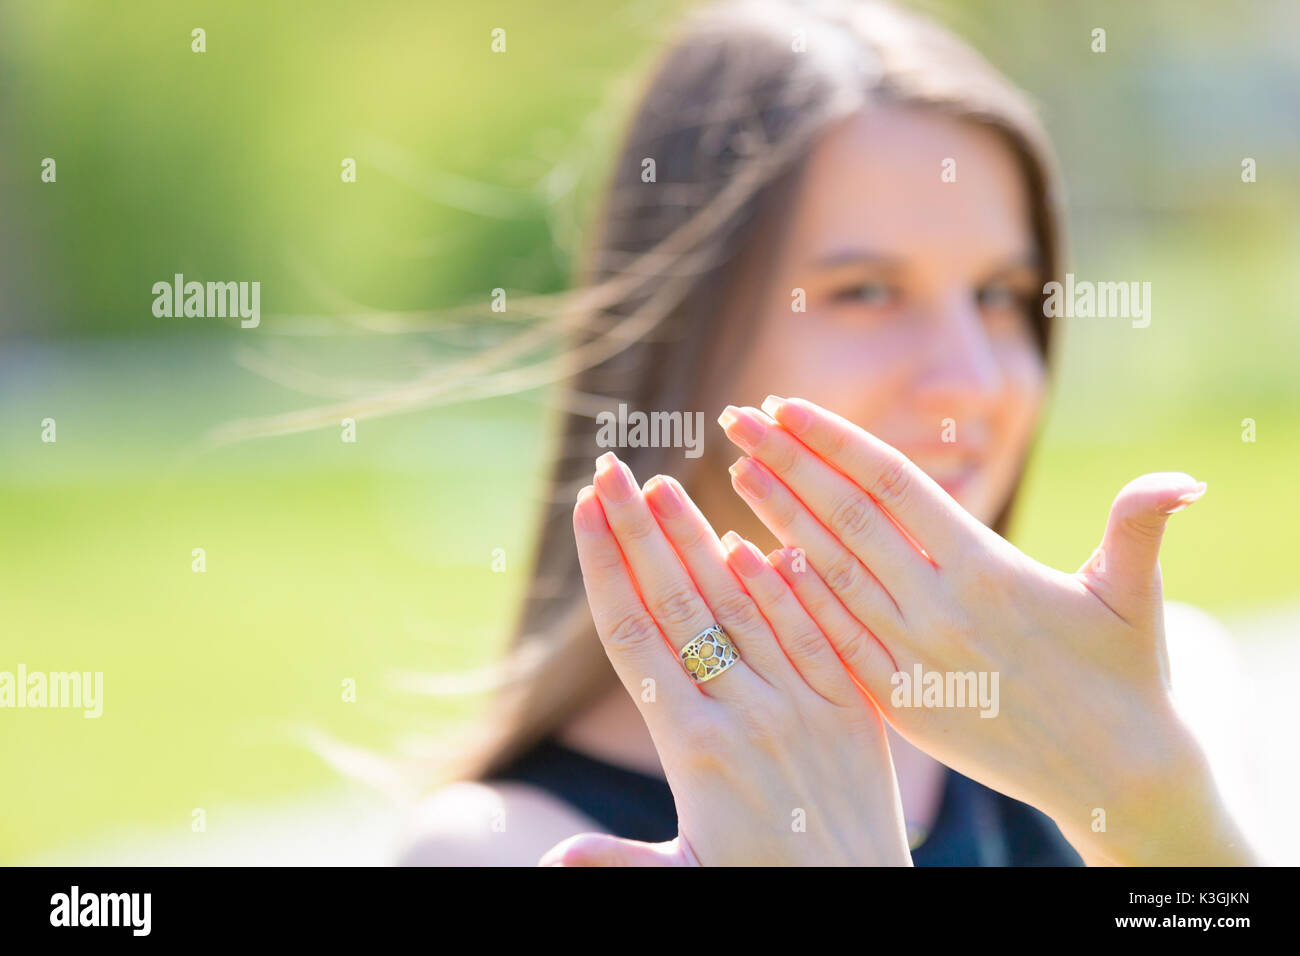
954	477
958	485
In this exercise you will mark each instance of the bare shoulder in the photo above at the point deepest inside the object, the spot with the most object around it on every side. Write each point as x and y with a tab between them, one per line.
489	824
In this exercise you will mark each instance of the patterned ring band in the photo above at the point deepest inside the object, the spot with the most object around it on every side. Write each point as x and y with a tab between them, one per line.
708	654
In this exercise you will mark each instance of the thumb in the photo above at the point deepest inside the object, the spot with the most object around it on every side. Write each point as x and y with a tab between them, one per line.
1125	571
601	849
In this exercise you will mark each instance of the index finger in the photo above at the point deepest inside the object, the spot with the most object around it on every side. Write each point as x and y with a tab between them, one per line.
920	508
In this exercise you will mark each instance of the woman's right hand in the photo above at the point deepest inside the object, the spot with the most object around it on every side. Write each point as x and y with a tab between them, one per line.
780	759
946	623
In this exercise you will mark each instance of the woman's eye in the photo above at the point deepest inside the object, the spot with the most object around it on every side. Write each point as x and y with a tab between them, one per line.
873	294
998	297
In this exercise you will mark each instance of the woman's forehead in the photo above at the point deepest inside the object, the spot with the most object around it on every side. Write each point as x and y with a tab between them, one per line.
901	183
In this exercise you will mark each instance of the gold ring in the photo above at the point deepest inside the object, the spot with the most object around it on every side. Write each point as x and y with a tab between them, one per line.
708	654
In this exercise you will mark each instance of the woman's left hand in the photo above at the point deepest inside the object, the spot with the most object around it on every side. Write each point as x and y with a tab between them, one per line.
1064	677
777	758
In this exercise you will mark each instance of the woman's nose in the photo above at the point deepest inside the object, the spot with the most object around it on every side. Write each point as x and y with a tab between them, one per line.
960	361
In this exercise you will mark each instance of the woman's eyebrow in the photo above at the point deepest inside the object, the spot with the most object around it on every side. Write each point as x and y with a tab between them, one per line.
838	259
843	258
1029	260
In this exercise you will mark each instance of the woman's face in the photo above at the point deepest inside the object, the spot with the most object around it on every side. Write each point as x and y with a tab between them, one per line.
918	298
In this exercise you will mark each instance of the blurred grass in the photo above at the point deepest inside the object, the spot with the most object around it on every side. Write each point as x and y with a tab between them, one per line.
318	568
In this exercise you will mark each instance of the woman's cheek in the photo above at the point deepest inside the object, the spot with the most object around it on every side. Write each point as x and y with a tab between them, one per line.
834	352
1024	390
1025	376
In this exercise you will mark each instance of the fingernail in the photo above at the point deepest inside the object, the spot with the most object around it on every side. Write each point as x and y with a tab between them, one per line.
748	560
590	517
1190	498
791	417
750	480
614	478
665	500
742	426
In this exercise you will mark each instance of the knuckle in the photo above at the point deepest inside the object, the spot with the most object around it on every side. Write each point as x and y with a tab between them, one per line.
859	652
779	512
737	612
806	642
854	516
819	605
638	530
694	539
634	631
676	606
894	482
1144	526
835	441
709	749
783	458
709	736
842	574
605	559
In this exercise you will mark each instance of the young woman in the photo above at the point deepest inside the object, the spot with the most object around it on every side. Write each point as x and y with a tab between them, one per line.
850	206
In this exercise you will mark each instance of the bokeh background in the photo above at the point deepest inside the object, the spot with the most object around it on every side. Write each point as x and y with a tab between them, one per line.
371	561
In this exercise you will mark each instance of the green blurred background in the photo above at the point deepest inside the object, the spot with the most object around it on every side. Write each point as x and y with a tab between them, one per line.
370	561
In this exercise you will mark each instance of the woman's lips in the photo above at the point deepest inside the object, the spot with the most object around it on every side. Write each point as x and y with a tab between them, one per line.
959	485
954	477
955	467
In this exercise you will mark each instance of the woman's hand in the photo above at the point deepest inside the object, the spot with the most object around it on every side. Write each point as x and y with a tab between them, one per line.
778	759
1050	687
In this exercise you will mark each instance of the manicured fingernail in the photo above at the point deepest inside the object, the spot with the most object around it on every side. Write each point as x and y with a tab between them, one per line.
791	417
742	426
590	517
746	558
750	480
614	478
665	500
1190	498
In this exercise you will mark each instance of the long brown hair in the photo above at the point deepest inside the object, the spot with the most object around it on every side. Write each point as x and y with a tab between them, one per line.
731	110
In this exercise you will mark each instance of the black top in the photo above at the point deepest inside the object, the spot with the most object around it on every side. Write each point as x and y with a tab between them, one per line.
975	826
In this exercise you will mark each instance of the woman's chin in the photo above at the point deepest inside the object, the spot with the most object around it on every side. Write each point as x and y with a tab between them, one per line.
973	494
